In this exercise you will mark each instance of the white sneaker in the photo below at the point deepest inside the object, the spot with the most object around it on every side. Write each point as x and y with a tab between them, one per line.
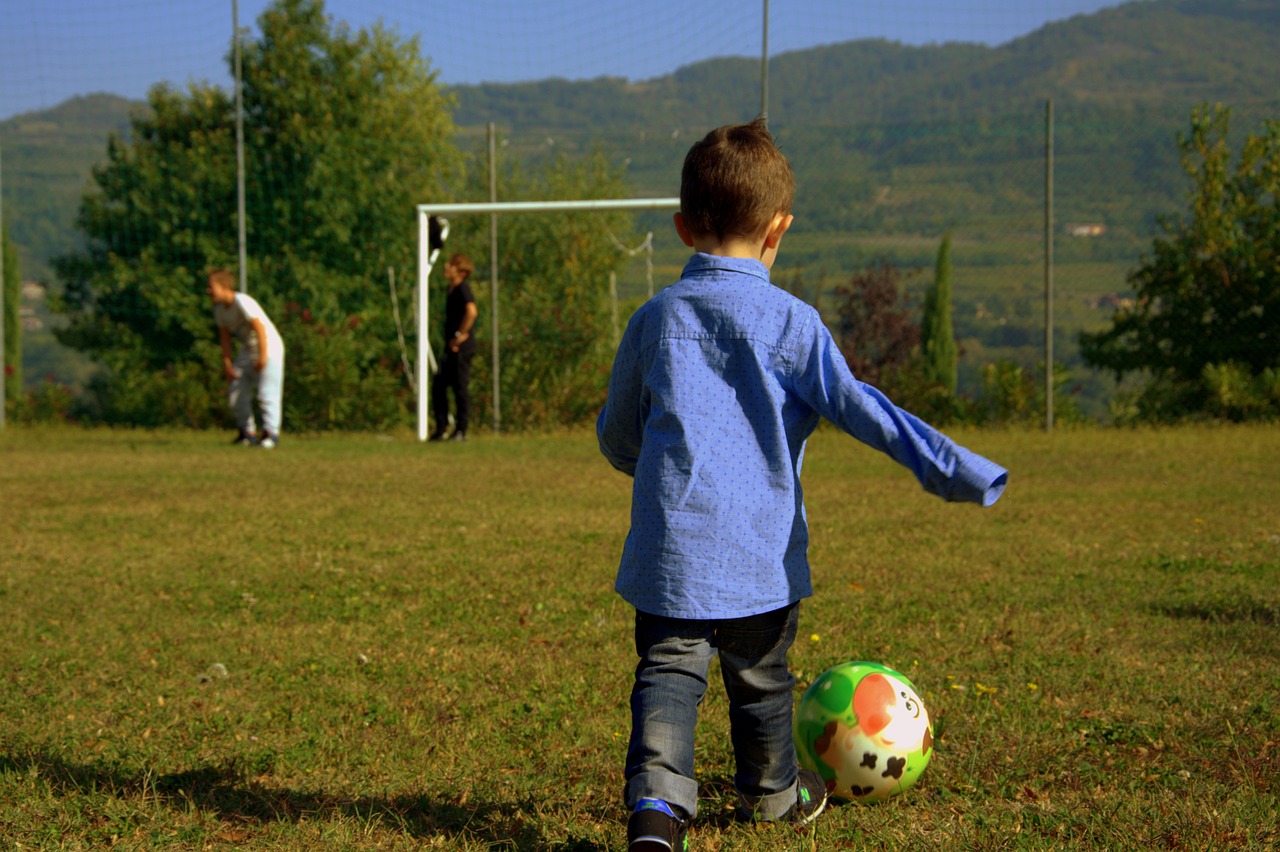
268	442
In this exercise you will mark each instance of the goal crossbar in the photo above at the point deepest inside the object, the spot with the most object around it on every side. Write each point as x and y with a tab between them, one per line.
426	259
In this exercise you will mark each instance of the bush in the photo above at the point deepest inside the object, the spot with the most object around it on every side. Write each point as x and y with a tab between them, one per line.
185	394
1011	395
46	403
1233	392
334	379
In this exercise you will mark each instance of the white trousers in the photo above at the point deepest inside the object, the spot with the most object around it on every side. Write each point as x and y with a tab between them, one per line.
267	386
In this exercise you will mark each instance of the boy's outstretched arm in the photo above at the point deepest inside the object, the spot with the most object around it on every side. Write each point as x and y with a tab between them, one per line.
942	466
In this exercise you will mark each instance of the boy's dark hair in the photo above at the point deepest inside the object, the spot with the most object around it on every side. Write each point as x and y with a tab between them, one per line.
734	181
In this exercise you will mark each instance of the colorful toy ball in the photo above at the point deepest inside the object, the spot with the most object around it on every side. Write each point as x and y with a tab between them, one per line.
863	728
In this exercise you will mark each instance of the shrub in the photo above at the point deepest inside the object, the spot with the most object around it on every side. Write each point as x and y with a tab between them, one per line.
335	379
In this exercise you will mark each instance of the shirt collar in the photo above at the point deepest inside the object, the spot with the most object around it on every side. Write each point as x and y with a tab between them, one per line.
701	264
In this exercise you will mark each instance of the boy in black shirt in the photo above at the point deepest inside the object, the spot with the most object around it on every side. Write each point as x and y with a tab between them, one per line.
459	348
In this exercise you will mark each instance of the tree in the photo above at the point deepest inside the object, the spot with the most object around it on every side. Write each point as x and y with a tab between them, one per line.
881	341
876	333
1204	327
937	334
344	133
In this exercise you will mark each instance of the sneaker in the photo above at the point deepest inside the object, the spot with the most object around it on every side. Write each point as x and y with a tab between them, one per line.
460	437
269	442
654	827
436	436
811	797
244	439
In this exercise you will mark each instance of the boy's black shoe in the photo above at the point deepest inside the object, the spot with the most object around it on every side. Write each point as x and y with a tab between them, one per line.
244	439
653	827
436	436
811	797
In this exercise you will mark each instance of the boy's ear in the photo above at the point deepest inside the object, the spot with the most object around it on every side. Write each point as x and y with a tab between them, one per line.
682	230
781	223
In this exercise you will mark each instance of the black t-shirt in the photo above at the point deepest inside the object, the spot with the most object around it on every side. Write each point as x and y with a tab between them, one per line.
455	308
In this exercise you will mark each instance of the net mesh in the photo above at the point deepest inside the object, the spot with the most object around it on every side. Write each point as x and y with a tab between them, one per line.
888	159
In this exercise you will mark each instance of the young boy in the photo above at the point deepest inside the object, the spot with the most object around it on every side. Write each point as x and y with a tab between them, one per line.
459	348
717	384
258	369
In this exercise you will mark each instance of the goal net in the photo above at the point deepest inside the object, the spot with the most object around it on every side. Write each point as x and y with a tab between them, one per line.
433	230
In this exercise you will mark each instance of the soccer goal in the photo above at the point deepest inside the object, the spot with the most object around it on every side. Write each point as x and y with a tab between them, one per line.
433	228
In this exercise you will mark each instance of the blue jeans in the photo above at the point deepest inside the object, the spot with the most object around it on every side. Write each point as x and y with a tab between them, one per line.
671	679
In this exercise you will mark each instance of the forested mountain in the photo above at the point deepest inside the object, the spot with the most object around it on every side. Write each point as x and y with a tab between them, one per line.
1142	54
47	159
1123	81
893	145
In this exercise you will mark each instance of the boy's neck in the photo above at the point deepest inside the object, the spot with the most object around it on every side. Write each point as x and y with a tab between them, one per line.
745	248
762	247
730	247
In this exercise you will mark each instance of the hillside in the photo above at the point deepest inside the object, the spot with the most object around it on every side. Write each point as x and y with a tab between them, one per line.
48	156
859	116
892	146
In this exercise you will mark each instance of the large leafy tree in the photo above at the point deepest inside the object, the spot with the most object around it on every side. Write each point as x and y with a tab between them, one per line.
1204	325
344	132
877	333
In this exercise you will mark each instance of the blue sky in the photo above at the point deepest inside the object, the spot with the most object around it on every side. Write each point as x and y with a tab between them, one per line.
51	50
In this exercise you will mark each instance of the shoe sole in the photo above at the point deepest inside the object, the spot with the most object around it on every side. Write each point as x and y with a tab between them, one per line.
809	819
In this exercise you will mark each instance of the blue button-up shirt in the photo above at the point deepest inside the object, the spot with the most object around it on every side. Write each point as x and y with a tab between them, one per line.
717	384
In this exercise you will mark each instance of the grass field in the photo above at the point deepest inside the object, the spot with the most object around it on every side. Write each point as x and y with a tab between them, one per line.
360	642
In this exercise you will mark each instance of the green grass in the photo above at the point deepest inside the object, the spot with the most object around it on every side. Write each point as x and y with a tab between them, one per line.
356	642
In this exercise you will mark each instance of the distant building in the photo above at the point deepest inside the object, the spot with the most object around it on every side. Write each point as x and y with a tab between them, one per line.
32	296
1111	301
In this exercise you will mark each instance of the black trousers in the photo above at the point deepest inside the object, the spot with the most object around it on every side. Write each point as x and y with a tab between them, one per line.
455	375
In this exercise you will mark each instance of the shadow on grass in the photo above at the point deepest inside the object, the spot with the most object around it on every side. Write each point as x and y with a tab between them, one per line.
225	793
1243	609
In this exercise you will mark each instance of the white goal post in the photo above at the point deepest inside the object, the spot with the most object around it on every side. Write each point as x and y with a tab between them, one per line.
426	259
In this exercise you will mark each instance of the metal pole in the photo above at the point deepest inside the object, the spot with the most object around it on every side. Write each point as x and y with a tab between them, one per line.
493	278
764	65
1048	266
4	292
424	346
613	307
244	272
582	206
496	349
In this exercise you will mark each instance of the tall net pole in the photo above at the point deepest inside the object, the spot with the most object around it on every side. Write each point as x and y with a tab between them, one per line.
244	273
4	291
1048	265
493	277
764	65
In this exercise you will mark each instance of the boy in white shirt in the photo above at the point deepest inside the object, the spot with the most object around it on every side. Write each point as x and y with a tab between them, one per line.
258	369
